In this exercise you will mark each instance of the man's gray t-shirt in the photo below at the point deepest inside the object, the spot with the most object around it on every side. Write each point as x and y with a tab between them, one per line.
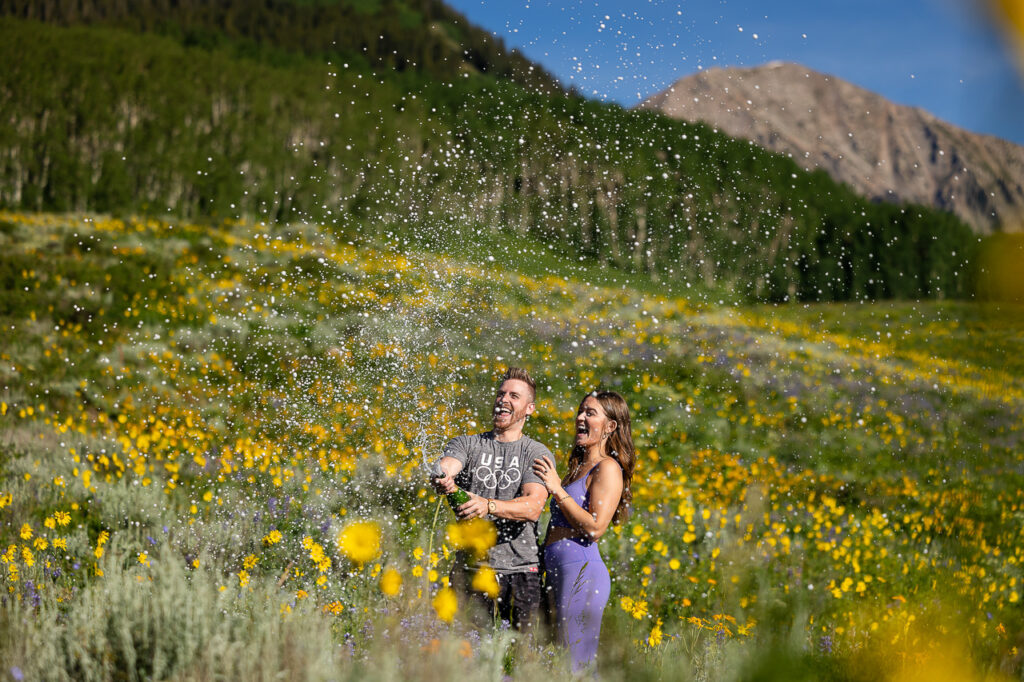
497	471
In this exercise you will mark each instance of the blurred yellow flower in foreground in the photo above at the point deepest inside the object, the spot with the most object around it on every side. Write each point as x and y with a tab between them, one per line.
946	663
485	581
476	536
391	582
446	604
360	541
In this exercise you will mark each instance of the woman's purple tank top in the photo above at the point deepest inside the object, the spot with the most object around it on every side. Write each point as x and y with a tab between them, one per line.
578	491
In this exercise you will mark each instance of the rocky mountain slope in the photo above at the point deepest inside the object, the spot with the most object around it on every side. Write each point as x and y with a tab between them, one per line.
883	150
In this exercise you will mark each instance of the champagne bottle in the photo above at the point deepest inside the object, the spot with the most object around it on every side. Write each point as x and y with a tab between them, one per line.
456	498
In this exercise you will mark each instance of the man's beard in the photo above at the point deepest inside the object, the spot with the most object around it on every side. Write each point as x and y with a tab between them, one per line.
507	421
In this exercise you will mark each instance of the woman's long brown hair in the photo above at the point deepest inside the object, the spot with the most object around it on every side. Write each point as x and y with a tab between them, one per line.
620	446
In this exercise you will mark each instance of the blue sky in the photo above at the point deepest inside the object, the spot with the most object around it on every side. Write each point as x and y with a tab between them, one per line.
940	55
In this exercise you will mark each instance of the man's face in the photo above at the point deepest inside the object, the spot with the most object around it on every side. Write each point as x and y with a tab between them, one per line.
512	404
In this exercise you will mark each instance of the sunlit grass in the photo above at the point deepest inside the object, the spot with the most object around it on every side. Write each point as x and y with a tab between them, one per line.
251	404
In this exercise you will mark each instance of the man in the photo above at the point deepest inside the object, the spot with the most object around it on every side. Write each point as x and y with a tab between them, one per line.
496	469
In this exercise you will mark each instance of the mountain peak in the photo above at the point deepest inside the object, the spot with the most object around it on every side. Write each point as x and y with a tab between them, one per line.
884	150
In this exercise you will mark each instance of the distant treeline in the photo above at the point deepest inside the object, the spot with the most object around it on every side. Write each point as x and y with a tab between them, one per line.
106	120
422	35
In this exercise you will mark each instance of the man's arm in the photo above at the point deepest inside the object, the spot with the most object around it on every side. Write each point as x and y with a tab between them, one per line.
526	507
451	468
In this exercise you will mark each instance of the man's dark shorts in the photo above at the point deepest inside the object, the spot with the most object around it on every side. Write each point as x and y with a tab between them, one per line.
518	599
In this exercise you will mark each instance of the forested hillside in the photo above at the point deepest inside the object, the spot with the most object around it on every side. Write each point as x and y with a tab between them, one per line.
103	119
420	35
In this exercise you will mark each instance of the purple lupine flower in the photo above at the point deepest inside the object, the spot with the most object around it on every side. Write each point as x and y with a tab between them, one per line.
825	644
31	593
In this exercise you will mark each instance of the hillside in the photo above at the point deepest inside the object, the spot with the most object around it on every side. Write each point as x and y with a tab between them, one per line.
425	36
193	415
883	150
99	118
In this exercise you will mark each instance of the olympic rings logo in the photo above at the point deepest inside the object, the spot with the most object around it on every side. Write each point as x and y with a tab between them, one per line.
500	480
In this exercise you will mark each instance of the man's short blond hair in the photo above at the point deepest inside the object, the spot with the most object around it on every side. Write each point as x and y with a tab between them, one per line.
522	375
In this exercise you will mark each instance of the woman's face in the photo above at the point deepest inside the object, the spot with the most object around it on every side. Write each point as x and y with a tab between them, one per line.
592	424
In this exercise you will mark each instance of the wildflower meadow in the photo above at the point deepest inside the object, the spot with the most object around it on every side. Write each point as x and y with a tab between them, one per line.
214	442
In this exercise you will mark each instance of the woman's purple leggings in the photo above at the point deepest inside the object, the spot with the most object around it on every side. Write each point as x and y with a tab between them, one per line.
579	585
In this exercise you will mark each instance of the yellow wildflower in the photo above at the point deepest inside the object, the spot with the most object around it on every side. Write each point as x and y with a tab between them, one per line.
654	639
485	581
446	604
476	536
360	541
391	582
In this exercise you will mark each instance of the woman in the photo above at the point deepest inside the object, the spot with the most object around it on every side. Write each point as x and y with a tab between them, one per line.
594	493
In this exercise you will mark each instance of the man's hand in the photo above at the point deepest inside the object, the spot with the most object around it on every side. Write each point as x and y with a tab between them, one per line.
449	467
475	508
444	484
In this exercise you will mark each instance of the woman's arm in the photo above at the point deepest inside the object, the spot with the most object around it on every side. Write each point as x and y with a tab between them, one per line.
605	491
